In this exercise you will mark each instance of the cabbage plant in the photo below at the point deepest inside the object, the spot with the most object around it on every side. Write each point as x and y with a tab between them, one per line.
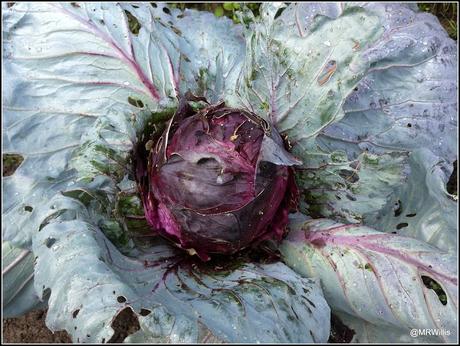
269	181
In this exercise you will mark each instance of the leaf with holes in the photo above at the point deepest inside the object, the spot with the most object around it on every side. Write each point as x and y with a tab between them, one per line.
384	279
177	298
299	79
87	103
362	93
422	208
350	190
406	101
69	64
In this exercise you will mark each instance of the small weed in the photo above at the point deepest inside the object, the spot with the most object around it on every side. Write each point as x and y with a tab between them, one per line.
446	13
227	9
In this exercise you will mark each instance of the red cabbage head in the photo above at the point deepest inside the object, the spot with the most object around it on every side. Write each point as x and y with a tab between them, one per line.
217	180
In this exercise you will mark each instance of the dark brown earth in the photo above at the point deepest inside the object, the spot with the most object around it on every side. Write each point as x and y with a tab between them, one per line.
340	333
31	328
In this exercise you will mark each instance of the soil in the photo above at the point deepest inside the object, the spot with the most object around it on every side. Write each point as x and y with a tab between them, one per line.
31	328
340	333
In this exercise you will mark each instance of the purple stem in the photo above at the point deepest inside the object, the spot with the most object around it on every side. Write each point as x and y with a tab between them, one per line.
367	242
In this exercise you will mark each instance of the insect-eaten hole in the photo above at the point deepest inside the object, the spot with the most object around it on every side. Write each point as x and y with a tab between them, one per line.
398	208
10	163
436	287
133	23
409	125
451	186
121	299
401	225
166	10
135	102
145	312
411	215
208	162
49	242
50	218
75	313
28	208
124	324
279	12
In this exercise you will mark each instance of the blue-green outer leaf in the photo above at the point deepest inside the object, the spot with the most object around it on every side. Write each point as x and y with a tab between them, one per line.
376	276
17	281
91	282
406	101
